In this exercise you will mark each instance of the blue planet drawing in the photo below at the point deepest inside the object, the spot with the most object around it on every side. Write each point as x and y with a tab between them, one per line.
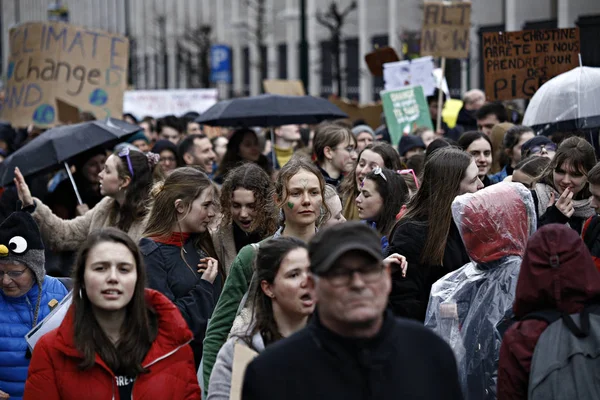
44	114
11	69
98	97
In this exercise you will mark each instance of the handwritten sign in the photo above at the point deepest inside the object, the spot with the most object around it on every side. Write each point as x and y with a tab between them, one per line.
446	30
54	60
158	103
284	87
405	109
516	64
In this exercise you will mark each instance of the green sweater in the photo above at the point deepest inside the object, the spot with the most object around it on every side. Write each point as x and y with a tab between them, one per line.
219	326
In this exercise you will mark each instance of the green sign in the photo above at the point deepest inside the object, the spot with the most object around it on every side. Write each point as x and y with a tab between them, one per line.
405	110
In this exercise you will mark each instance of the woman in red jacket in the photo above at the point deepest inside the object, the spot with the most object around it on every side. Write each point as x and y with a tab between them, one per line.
117	340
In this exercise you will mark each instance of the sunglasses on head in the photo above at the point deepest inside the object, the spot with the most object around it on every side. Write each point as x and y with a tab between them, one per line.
547	147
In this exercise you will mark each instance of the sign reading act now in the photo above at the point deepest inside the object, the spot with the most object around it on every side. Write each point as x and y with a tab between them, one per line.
516	64
446	30
52	63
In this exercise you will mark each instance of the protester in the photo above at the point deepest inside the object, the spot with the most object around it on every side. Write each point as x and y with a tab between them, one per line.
178	251
125	182
334	204
431	253
479	145
168	159
242	148
539	146
514	139
410	145
283	301
473	100
140	141
383	192
489	115
249	214
364	135
149	126
63	200
433	103
196	150
561	194
426	134
335	149
591	228
466	305
379	154
352	348
558	275
497	137
412	182
528	171
191	126
27	296
169	128
118	340
416	163
299	196
130	118
286	139
219	144
438	144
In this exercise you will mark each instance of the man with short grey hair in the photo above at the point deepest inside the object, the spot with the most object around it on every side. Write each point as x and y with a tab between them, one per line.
353	348
473	100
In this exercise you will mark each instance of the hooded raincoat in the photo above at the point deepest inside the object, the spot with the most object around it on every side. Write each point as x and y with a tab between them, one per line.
466	305
567	288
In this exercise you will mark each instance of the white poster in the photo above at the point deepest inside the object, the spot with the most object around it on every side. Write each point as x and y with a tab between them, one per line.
417	72
158	103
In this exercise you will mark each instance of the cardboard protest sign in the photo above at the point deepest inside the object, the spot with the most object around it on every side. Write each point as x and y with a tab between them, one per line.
242	356
370	113
445	30
284	87
516	64
405	110
377	59
53	60
158	103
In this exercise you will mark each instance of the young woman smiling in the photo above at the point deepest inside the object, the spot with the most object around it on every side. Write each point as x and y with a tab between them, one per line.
249	214
299	192
479	145
117	340
178	251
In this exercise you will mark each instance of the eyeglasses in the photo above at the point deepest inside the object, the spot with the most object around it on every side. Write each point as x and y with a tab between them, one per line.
12	274
125	153
343	277
547	147
411	172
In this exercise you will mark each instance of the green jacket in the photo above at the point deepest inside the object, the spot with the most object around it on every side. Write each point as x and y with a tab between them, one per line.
219	326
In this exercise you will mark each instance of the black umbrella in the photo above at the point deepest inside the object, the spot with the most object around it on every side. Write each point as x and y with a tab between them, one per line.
269	110
58	145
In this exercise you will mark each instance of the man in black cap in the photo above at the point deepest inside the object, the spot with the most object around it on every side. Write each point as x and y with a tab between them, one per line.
353	348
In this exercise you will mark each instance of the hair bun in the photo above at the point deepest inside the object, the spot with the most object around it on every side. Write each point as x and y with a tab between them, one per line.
157	188
153	159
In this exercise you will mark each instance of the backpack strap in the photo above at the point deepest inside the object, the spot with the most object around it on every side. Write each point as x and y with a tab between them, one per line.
551	316
548	316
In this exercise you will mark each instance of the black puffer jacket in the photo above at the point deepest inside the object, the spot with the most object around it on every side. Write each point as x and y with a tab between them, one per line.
410	295
182	284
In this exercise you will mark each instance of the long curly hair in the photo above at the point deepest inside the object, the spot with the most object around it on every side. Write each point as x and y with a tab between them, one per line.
253	178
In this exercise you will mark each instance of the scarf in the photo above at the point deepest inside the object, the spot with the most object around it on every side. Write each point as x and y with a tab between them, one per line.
583	209
176	239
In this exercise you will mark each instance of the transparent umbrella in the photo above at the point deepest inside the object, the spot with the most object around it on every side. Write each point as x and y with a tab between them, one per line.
567	102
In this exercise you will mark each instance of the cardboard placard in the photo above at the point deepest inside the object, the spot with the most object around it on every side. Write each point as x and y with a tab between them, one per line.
284	87
242	355
405	110
370	113
53	60
516	64
158	103
446	29
376	59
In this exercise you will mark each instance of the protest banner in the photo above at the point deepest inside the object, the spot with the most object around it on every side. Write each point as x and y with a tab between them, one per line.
284	87
516	64
445	31
405	110
417	72
53	60
158	103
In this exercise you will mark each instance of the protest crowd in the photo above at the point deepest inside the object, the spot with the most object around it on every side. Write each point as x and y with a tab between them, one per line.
288	251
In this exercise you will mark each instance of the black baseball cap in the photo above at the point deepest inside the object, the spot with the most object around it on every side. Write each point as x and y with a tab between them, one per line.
330	244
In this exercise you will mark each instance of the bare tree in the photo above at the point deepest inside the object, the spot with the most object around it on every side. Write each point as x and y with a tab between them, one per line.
334	21
193	55
257	31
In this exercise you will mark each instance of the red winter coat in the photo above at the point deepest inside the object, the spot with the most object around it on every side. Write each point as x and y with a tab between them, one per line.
568	288
54	372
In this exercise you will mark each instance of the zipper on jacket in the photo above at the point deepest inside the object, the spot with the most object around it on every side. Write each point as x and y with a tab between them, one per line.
165	356
30	310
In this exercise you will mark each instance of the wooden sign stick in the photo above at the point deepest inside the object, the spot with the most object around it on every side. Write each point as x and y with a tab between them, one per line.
438	125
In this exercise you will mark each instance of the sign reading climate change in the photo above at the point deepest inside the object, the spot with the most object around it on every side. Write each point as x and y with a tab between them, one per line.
405	110
51	61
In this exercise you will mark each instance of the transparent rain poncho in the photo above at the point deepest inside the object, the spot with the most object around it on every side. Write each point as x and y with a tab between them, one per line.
466	305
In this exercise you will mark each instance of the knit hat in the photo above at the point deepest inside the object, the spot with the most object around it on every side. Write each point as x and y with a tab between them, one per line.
410	142
138	136
21	241
164	144
357	130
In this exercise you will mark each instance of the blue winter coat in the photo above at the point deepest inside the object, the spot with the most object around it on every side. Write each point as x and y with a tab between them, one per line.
16	320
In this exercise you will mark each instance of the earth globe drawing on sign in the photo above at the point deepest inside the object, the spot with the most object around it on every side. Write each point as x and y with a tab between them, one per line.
98	97
44	114
10	70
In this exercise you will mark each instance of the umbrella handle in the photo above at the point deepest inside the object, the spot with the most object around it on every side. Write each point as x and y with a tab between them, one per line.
73	183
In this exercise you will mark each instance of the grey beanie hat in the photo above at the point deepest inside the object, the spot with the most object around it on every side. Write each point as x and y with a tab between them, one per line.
357	130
